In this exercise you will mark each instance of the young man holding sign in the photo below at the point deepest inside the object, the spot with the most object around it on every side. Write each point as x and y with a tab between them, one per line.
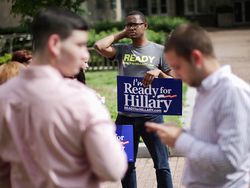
216	147
144	59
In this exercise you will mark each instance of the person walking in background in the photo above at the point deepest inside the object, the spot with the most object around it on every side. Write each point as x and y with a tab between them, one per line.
129	64
54	132
216	147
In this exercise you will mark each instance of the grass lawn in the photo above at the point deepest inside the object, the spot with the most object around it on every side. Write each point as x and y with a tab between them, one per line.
104	82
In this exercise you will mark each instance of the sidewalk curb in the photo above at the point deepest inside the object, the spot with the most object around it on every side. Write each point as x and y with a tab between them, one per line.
144	153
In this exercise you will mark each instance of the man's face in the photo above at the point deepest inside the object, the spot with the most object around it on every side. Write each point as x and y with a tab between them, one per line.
135	26
183	69
73	52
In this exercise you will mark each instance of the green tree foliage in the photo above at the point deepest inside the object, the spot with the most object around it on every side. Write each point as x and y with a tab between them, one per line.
27	9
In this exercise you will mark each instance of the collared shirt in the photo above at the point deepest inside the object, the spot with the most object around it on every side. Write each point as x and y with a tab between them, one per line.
54	132
217	145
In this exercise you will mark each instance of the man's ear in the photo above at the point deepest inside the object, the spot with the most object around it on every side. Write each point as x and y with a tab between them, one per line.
146	26
197	58
54	43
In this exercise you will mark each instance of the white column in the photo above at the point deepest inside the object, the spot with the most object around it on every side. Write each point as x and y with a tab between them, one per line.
118	10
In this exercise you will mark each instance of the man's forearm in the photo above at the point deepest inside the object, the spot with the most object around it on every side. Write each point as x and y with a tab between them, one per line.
109	40
119	35
206	156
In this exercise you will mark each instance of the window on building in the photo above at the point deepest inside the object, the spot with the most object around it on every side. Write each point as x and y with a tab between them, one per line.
164	6
190	5
158	6
153	6
100	4
203	6
143	6
113	4
198	6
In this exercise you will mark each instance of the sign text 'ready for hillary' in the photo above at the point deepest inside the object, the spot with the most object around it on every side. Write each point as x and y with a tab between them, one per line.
163	96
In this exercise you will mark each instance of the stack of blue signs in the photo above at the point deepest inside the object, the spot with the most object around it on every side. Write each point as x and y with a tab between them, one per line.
125	134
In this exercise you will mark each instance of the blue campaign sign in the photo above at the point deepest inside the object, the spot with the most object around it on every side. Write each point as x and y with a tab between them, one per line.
125	134
163	96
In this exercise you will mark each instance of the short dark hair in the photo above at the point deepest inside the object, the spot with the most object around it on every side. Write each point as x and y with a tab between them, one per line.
54	21
188	37
136	12
22	56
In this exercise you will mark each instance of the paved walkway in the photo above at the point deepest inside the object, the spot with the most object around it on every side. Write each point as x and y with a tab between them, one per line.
146	174
232	47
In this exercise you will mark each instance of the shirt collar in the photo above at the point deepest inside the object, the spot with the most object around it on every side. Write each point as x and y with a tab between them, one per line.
209	82
40	71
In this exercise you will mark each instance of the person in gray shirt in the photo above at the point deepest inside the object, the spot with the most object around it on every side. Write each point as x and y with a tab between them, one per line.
216	147
142	58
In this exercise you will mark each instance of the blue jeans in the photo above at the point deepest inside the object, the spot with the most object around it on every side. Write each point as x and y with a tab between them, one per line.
157	150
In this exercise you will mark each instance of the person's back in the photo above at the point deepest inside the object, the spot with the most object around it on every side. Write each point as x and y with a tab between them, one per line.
54	132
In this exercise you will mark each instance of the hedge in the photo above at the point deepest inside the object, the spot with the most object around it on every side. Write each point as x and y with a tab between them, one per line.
158	26
158	37
156	23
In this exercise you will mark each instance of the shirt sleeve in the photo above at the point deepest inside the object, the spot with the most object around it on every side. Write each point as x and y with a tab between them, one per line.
231	150
163	64
118	54
105	153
